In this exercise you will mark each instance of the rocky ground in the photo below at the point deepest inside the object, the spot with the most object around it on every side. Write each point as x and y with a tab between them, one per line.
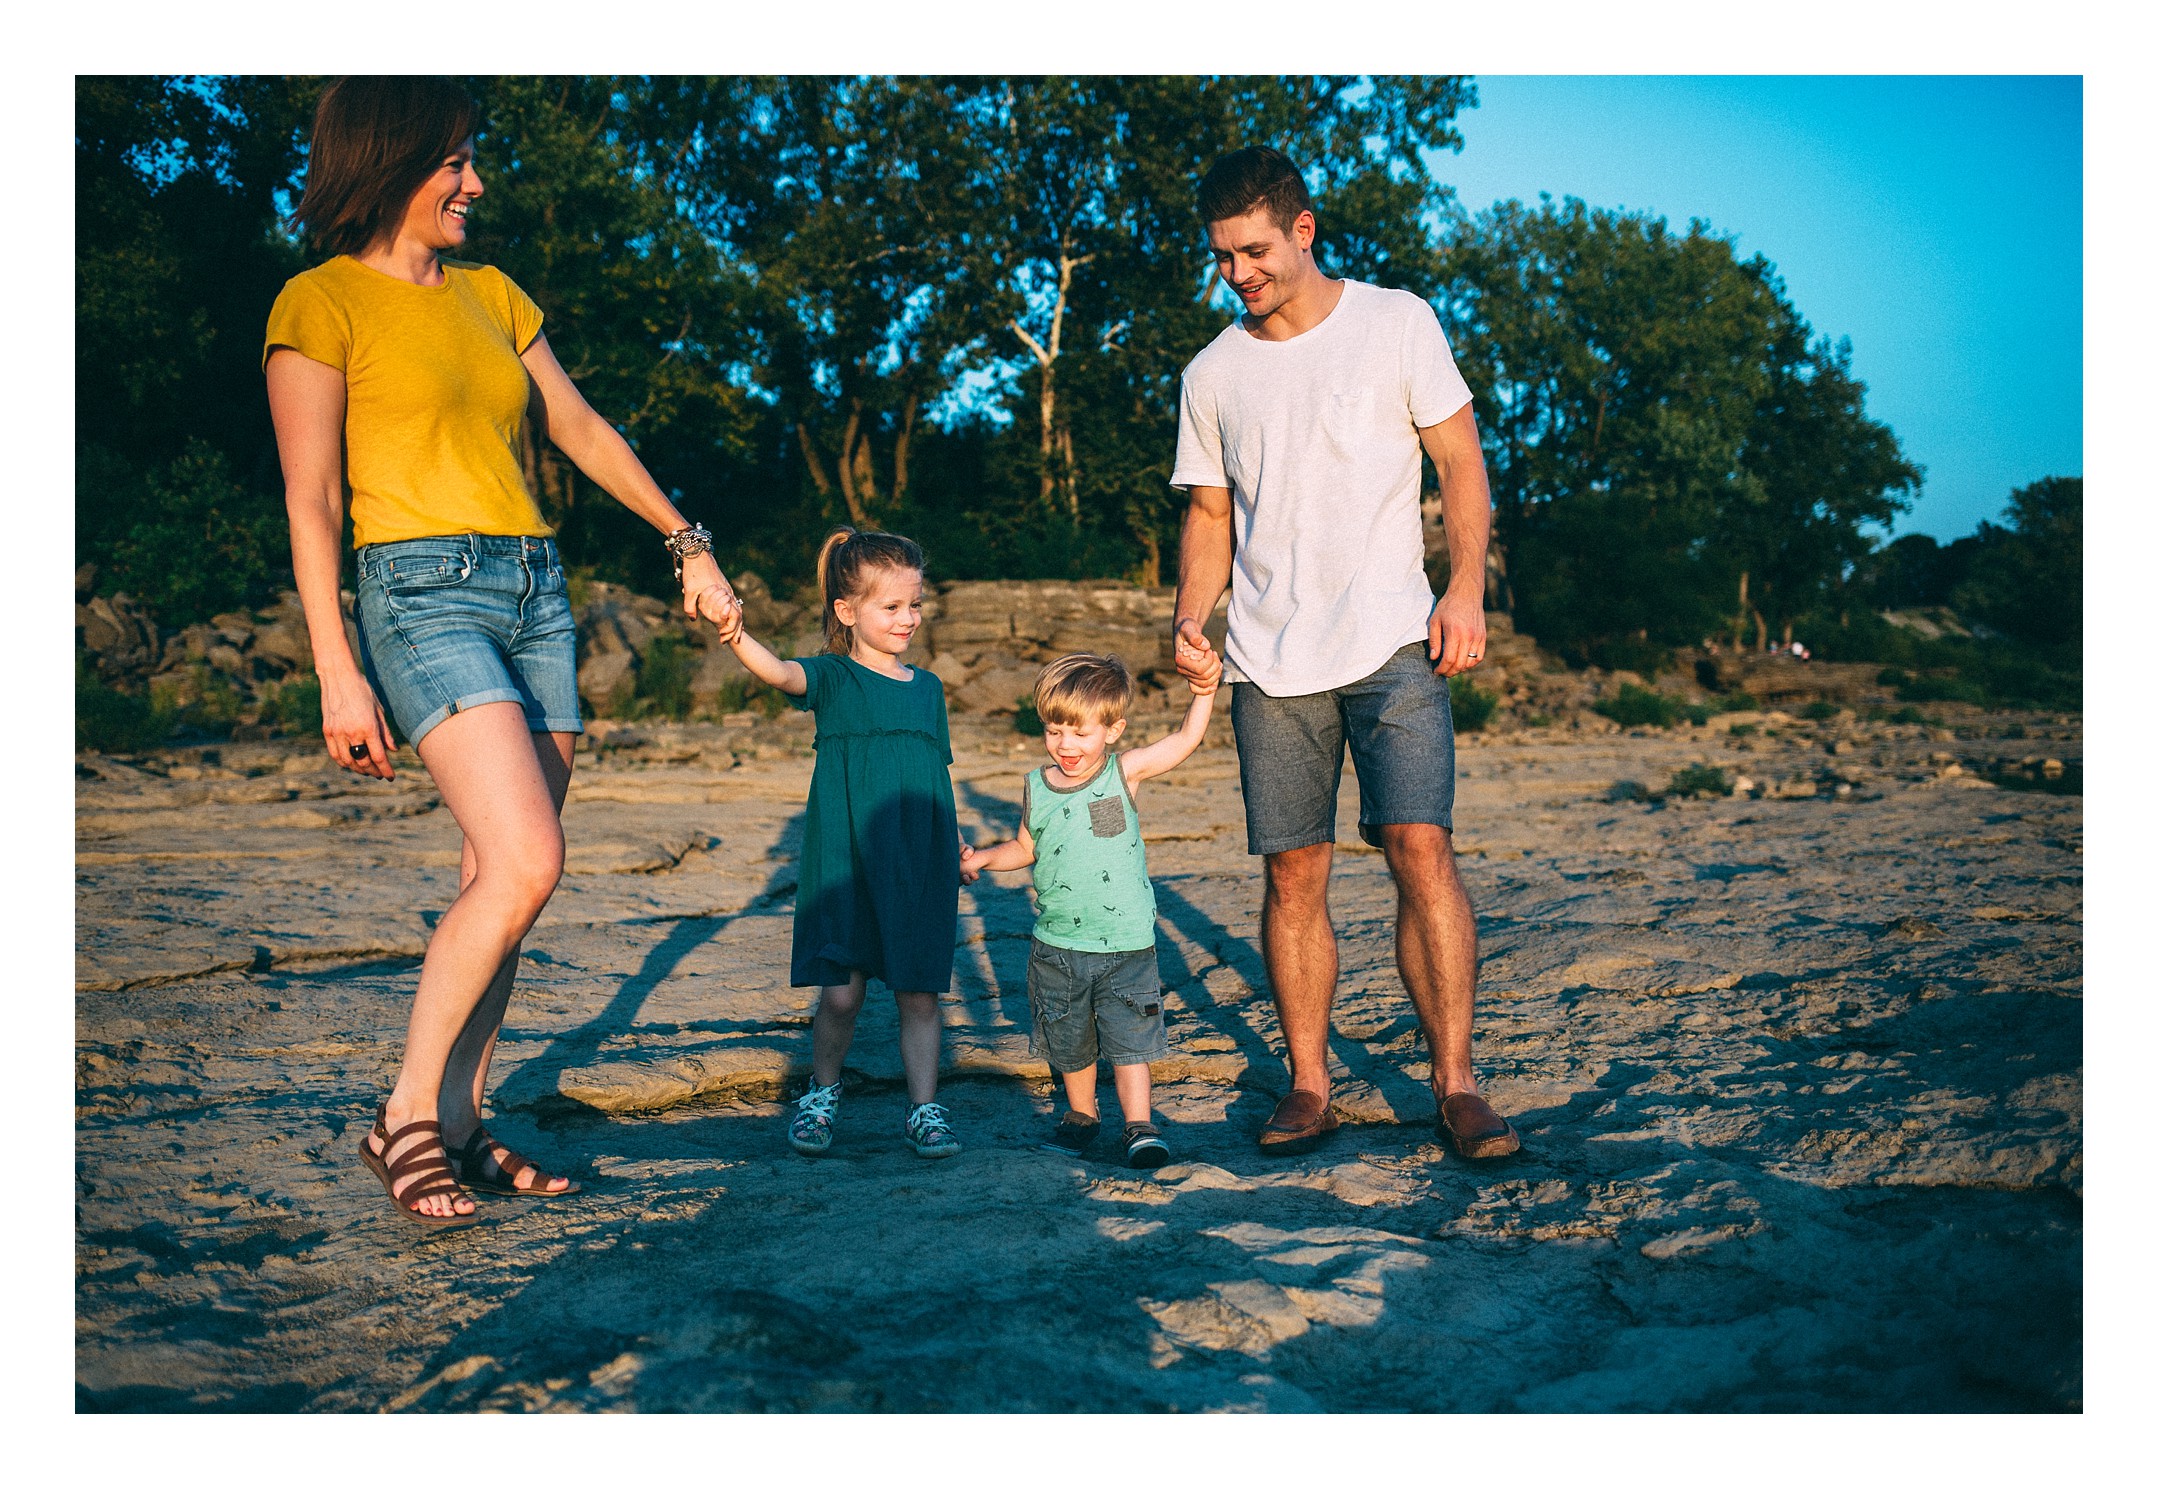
1798	1072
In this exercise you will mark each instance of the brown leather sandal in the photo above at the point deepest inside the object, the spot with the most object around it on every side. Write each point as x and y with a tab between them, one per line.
513	1174
426	1163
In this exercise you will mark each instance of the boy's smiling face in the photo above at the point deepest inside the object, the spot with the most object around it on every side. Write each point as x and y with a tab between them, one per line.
1079	749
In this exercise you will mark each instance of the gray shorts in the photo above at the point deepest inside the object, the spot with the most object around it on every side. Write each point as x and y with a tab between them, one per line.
1089	1005
1398	723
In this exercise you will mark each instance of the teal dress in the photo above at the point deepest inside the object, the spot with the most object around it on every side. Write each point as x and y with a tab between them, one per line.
879	891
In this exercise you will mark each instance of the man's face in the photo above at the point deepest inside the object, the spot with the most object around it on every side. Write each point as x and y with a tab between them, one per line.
1262	264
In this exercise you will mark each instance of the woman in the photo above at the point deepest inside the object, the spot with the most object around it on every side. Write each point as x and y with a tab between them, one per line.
405	377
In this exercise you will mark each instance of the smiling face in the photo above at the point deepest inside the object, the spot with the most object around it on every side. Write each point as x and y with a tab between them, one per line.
1264	266
437	216
1079	748
884	617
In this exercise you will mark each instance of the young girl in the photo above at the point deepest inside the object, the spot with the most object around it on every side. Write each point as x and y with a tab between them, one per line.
879	892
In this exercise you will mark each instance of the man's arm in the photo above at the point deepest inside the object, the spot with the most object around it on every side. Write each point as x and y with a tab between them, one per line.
1202	573
1457	621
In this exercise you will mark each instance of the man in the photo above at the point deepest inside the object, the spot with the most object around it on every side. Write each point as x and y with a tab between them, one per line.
1302	431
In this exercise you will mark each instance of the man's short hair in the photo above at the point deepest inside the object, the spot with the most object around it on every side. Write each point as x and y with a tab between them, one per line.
1251	177
1084	688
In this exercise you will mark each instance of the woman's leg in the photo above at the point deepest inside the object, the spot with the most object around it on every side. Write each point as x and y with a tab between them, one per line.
831	1032
490	777
464	1083
921	1037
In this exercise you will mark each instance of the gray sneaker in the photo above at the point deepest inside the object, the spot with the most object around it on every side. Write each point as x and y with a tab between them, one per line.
811	1131
929	1131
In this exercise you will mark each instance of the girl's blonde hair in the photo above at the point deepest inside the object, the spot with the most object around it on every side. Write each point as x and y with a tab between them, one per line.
1084	688
844	565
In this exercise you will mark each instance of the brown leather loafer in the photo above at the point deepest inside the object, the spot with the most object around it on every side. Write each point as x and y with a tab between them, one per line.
1477	1131
1302	1118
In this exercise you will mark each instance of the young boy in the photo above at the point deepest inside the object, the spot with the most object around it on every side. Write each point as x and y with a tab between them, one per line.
1091	977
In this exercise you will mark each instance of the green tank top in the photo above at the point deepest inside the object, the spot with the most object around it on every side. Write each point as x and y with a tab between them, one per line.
1091	891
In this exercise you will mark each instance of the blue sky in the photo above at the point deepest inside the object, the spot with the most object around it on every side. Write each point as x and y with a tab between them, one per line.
1935	221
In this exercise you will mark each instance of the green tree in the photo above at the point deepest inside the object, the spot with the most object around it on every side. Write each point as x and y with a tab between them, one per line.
1659	428
2026	579
177	259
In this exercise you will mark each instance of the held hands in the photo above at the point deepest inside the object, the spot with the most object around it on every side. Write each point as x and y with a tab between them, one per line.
1196	659
1457	633
706	593
970	867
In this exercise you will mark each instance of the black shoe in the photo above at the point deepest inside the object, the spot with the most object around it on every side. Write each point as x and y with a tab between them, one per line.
1073	1135
1143	1146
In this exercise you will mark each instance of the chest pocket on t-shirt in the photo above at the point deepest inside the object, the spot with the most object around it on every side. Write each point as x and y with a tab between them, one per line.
1106	814
1348	417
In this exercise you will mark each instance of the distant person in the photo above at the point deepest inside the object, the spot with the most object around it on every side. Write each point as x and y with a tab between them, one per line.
1303	427
879	889
404	375
1092	982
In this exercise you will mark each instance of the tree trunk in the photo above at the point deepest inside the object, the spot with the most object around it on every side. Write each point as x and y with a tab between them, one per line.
817	477
847	485
1149	557
899	450
1058	465
1738	621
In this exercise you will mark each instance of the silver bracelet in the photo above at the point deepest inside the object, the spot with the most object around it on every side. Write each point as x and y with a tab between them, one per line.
684	541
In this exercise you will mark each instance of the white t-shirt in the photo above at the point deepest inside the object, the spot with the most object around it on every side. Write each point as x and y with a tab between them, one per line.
1315	437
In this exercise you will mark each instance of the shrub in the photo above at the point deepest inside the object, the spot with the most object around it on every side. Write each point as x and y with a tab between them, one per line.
746	694
1473	706
296	706
1939	689
1635	706
1027	719
1820	709
663	678
198	542
1539	721
1699	780
110	720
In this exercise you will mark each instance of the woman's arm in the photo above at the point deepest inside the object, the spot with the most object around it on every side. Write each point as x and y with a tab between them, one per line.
597	448
998	858
307	408
1164	755
766	666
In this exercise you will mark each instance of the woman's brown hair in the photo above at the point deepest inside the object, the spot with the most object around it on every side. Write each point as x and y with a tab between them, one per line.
375	143
844	565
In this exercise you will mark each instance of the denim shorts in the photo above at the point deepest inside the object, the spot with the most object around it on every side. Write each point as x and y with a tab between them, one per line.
451	623
1398	723
1091	1005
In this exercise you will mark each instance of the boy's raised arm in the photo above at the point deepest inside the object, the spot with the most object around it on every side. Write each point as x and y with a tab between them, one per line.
1164	755
763	665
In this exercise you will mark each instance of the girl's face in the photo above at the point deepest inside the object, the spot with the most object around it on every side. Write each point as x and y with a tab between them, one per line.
436	216
884	617
1078	749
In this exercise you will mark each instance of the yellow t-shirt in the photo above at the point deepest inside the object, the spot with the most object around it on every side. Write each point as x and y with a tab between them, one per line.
435	396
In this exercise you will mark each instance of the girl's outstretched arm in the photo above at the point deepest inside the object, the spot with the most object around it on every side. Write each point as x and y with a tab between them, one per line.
786	676
1164	755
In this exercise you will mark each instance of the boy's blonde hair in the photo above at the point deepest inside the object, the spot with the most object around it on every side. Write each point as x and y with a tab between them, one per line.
1084	688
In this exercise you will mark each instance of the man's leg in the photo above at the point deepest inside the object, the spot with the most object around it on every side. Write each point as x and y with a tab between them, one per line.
1400	728
1296	933
1434	946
